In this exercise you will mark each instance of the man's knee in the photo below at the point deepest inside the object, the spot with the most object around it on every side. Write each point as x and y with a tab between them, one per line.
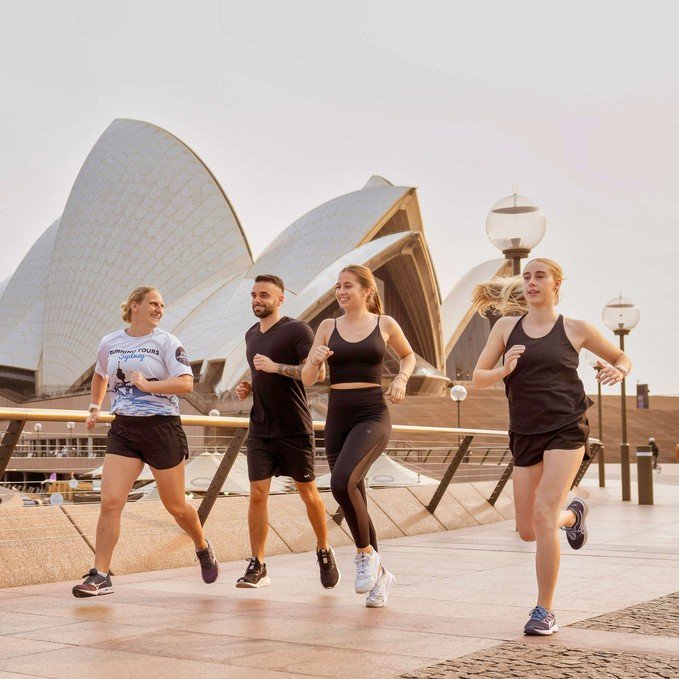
258	495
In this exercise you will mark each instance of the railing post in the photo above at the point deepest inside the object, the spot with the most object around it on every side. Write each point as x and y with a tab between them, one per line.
584	466
220	475
9	441
501	484
602	465
450	472
338	516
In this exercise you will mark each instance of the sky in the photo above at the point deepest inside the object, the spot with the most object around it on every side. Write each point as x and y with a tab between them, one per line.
291	104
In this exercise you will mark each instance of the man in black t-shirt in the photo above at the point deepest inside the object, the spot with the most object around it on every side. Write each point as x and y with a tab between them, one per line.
280	437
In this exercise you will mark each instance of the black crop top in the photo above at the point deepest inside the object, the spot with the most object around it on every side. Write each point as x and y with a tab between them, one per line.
356	361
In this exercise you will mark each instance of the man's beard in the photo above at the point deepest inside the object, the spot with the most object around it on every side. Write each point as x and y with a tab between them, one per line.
262	312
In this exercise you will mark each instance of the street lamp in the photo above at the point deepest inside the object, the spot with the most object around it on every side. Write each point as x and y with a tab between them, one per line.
593	361
620	315
458	393
37	427
515	225
70	426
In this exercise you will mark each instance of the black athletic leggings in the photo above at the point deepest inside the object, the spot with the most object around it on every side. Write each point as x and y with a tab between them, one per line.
357	430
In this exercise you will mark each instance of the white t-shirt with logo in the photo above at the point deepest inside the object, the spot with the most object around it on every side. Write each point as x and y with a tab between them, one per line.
158	356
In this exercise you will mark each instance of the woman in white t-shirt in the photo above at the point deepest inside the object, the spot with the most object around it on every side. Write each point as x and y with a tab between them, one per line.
144	368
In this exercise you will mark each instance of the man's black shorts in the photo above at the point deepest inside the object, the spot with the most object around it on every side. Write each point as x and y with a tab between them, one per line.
291	456
529	449
158	440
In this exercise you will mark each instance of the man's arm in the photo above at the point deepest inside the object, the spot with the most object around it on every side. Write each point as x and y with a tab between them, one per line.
295	371
265	364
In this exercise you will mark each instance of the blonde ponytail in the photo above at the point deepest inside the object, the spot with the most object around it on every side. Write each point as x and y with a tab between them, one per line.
503	296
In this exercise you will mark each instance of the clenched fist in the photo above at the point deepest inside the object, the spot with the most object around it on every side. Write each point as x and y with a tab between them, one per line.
243	390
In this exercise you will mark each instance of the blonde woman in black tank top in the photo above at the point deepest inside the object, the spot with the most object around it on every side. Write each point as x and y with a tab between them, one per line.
548	427
358	426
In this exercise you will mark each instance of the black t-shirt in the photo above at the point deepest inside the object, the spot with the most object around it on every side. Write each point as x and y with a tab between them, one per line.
279	404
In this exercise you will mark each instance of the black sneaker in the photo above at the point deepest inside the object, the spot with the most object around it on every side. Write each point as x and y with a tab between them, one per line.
255	575
330	574
577	533
94	585
209	568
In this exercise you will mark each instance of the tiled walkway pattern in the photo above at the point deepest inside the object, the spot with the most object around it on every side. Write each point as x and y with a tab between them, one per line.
462	596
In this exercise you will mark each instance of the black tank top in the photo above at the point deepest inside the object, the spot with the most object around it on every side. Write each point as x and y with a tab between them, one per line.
544	390
356	361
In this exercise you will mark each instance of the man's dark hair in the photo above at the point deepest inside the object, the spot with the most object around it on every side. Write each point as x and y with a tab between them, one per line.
270	278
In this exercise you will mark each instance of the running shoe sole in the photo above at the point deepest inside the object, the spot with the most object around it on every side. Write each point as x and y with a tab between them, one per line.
391	582
264	582
84	594
585	533
541	632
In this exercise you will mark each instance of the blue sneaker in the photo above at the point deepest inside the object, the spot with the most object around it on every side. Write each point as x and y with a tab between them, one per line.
542	622
577	533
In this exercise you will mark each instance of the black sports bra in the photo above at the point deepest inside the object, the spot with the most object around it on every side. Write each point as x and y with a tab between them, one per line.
356	361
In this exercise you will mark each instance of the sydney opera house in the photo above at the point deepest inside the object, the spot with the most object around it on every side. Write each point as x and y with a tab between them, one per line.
145	209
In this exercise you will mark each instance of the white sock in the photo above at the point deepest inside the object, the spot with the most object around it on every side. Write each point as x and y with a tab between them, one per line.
103	575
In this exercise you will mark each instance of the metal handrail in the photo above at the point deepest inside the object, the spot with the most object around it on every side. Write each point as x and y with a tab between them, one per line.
18	417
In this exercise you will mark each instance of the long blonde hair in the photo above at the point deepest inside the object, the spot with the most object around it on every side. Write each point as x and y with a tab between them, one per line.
367	280
137	295
505	295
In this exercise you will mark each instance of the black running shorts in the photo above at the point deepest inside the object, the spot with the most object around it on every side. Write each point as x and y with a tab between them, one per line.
291	456
528	449
158	440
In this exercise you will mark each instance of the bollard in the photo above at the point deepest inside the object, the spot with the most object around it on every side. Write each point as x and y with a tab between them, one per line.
645	474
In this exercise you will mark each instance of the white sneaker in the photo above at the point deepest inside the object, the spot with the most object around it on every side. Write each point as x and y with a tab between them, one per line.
367	570
380	592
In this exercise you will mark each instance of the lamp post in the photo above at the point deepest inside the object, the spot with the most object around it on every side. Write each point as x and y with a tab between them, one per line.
592	360
620	315
515	225
37	427
458	393
70	426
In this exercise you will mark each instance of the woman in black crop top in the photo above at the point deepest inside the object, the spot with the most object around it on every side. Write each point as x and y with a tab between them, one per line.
358	425
548	428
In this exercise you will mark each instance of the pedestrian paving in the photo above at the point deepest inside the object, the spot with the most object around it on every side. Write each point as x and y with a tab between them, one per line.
458	609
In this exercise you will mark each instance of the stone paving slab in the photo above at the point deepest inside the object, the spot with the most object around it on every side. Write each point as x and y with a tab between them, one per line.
515	659
458	594
659	617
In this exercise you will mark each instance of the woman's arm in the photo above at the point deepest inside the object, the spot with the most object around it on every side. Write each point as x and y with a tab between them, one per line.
98	391
183	384
318	354
485	372
399	343
619	362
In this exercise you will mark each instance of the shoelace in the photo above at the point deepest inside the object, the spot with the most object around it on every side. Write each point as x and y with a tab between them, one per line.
93	578
539	613
205	558
324	558
252	567
362	563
